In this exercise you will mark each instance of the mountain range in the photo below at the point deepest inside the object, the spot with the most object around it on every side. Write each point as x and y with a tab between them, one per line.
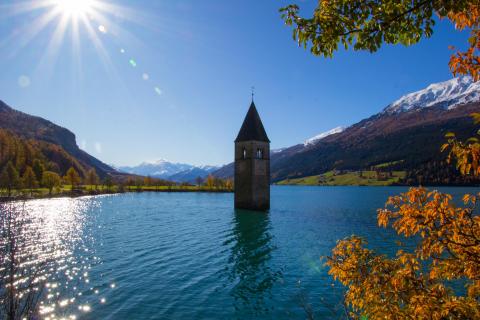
164	169
406	135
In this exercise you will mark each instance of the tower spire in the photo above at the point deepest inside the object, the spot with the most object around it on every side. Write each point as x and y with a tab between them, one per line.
252	128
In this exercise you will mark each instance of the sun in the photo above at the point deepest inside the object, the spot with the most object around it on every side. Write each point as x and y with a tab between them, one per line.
82	23
74	7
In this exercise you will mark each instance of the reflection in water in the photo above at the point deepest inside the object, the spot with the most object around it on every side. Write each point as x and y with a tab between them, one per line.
251	273
46	258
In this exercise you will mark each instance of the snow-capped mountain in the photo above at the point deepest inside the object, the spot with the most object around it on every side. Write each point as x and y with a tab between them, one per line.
159	169
406	135
207	167
191	175
165	169
448	94
323	135
273	151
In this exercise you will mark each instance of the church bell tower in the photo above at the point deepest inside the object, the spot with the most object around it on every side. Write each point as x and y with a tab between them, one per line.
252	164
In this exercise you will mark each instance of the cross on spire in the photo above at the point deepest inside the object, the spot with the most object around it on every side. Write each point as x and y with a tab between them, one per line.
253	92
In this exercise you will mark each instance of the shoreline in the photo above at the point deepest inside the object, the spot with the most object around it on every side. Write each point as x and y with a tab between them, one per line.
380	186
83	193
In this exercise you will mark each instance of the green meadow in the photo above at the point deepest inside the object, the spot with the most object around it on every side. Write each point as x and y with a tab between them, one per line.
354	178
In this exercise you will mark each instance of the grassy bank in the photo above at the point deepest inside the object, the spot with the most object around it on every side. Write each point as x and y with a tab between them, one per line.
66	191
354	178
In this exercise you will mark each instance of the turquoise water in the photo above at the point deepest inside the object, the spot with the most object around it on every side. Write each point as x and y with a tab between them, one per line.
192	256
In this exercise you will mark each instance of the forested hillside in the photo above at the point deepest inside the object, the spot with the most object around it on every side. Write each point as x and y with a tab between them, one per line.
23	153
25	138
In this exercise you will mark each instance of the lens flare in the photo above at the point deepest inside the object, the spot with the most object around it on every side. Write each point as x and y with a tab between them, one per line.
84	20
24	81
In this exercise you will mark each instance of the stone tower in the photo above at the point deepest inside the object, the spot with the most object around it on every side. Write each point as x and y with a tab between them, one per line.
252	164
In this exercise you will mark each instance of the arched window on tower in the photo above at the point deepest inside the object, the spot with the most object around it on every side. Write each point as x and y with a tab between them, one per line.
259	153
244	153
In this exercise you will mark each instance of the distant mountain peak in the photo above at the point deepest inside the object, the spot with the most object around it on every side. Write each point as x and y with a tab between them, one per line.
447	94
273	151
323	135
154	162
207	167
165	169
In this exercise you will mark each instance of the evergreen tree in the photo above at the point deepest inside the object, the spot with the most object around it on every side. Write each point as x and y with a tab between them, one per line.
139	184
108	182
92	178
199	181
38	168
210	181
130	182
9	179
51	180
72	177
147	181
29	179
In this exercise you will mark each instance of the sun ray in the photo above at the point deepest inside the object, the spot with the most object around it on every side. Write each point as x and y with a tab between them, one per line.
22	37
165	25
104	56
23	7
85	21
115	30
76	48
118	11
50	56
142	18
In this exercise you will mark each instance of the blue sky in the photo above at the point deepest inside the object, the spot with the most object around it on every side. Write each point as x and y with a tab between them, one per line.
203	56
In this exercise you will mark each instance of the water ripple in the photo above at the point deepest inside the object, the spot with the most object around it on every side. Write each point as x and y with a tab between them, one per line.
188	256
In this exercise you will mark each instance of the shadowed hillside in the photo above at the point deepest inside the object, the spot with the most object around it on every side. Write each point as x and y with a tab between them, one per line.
24	137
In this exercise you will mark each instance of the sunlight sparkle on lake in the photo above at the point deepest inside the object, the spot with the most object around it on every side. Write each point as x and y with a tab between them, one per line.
55	240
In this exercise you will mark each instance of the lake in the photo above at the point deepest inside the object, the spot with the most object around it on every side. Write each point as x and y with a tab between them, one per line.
192	256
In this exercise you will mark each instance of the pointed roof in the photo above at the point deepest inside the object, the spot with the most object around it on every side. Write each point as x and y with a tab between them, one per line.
252	127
